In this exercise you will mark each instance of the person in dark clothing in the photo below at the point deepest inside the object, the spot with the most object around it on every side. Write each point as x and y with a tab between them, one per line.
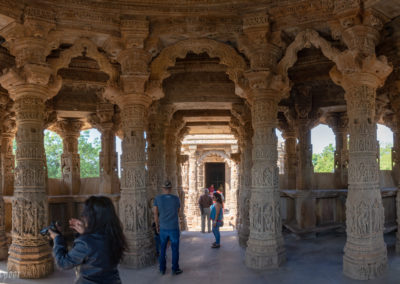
99	247
166	216
205	201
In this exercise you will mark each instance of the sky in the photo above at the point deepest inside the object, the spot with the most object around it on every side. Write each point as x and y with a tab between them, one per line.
322	136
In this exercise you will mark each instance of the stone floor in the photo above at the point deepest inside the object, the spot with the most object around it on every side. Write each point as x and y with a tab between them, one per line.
308	261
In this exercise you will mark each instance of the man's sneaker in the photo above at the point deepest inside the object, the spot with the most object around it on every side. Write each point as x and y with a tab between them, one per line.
215	246
176	272
162	272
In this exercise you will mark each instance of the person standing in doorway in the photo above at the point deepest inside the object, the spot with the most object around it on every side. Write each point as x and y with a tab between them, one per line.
217	217
166	216
205	201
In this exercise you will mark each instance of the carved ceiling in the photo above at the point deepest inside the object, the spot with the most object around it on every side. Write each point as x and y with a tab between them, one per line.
92	33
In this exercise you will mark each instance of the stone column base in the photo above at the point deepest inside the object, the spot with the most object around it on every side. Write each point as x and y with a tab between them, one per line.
367	267
142	254
265	254
30	262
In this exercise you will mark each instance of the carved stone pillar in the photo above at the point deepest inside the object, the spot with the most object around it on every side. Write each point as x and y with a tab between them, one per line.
338	123
245	189
7	157
7	178
191	202
134	209
234	186
109	181
171	144
395	122
290	157
29	85
365	254
133	203
265	247
69	130
30	254
156	149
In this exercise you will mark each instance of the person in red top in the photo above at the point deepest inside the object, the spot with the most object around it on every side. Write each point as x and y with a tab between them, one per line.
211	189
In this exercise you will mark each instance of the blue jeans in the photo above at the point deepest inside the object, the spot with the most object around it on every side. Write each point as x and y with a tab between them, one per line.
173	236
216	233
157	241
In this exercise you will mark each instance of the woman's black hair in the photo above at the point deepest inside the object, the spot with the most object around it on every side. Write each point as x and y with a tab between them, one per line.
100	216
218	197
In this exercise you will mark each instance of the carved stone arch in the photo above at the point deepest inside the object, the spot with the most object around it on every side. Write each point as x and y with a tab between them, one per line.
222	154
167	57
306	39
90	48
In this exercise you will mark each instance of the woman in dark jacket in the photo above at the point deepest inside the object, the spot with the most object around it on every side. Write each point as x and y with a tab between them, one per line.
98	249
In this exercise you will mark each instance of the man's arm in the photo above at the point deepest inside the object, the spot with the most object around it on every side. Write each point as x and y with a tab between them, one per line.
156	219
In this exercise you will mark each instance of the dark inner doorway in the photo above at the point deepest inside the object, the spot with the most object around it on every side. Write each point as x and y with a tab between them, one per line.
215	174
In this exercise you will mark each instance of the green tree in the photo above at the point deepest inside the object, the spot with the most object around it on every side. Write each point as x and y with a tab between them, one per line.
324	162
53	147
386	157
89	153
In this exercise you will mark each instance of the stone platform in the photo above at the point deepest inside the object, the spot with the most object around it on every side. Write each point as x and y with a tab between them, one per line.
311	261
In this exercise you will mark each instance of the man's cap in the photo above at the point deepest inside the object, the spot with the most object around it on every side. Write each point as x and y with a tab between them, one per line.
167	184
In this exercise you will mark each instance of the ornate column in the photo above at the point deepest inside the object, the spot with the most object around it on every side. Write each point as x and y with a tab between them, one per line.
28	85
290	157
171	146
360	73
109	181
338	123
4	175
134	209
69	129
245	189
395	127
156	150
29	253
181	173
234	186
191	202
7	156
265	247
305	202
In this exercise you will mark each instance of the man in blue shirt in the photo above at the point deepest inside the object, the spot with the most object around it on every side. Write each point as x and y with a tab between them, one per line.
166	216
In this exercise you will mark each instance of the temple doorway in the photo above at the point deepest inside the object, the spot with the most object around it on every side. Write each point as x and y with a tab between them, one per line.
215	174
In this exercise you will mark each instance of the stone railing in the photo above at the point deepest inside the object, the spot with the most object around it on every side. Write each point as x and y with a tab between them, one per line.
330	209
